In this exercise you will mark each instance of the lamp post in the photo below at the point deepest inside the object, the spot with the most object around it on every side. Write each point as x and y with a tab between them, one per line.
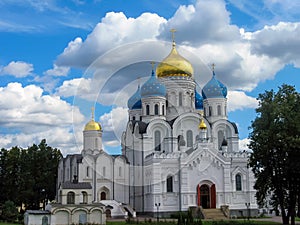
157	210
248	209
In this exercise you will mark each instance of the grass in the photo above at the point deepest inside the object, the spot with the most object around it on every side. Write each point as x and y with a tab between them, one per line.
204	222
2	223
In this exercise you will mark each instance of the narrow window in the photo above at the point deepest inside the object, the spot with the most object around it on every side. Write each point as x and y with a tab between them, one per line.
133	118
84	197
87	171
157	140
147	110
220	139
180	99
156	109
169	184
210	111
219	110
120	171
189	138
163	110
238	182
96	143
71	198
103	171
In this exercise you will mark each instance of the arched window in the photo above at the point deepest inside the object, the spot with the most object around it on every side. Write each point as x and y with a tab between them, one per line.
163	110
103	196
189	138
238	182
87	171
210	111
219	110
147	110
133	118
71	197
220	139
120	171
180	99
169	184
103	171
156	109
157	140
84	197
96	143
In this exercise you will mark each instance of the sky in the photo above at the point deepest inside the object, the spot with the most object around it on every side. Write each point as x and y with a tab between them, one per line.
58	59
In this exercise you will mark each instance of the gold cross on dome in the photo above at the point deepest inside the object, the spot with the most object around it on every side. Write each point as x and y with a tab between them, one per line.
93	112
173	34
213	67
153	64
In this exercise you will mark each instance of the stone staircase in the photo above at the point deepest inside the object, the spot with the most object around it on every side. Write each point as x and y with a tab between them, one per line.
214	214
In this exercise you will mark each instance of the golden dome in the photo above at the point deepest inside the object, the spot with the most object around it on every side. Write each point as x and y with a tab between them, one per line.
92	125
202	125
174	65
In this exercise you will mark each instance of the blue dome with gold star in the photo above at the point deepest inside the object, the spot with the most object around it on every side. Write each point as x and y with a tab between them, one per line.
214	89
198	100
153	87
135	102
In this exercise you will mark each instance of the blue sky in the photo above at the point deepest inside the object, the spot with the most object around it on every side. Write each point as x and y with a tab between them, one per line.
60	58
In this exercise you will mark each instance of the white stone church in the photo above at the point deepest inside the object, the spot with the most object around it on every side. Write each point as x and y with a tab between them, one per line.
179	150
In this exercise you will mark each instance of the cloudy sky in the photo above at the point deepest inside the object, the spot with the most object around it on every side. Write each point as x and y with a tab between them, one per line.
60	58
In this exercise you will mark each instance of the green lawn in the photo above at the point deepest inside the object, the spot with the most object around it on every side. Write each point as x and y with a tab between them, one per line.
204	222
2	223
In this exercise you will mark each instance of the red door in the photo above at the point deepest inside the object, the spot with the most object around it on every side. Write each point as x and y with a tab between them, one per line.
206	196
213	196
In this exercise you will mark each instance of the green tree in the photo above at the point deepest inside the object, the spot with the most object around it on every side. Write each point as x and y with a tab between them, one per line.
275	141
9	212
29	175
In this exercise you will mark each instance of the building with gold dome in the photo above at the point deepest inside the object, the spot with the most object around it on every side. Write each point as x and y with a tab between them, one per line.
179	150
182	149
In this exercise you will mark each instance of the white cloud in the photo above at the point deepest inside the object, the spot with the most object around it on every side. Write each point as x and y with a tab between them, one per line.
243	144
238	100
114	29
113	124
27	116
280	41
17	69
58	71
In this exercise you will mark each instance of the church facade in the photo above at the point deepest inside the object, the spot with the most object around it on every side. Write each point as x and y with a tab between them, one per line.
178	150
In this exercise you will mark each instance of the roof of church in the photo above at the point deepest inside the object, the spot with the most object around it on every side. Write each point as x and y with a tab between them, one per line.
135	102
174	64
142	126
214	89
198	100
153	87
74	185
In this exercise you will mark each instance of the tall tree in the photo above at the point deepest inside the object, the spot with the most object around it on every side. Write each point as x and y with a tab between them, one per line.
275	141
28	176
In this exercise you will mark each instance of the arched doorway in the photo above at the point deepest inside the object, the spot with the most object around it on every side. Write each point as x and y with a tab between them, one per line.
206	196
103	196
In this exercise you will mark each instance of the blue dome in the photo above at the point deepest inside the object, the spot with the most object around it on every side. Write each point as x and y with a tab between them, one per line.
135	102
153	87
214	89
198	101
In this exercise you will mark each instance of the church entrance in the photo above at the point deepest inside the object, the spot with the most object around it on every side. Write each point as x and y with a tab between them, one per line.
206	196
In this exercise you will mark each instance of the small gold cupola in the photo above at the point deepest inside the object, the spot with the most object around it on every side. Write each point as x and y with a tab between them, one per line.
202	125
174	64
92	124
